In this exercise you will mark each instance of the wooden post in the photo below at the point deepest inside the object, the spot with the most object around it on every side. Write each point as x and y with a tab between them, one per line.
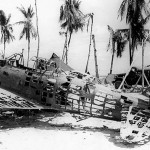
143	74
136	83
146	79
91	107
127	73
37	35
66	54
95	56
143	44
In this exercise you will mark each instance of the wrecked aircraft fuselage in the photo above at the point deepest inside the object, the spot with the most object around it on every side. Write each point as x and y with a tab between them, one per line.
56	90
53	89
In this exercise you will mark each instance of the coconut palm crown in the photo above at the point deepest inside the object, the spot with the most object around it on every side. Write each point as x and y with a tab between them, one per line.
6	30
134	10
71	18
117	42
120	37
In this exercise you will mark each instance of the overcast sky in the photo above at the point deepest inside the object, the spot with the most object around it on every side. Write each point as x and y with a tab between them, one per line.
105	13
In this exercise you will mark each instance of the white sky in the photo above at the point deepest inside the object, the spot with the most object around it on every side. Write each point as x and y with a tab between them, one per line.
105	13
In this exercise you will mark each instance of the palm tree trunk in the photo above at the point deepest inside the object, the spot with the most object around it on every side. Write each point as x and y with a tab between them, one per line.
37	34
68	47
130	44
112	59
4	46
69	38
28	52
133	49
65	47
86	69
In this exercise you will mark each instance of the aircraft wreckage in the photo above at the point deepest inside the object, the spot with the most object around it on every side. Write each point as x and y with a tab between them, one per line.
55	85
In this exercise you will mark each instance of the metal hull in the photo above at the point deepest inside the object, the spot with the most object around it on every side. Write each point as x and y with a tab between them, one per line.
33	86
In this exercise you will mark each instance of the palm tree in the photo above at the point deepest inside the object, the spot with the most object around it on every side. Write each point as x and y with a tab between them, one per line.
6	29
28	28
117	42
135	10
71	19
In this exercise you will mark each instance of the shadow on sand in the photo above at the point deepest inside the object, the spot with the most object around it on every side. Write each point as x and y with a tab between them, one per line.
34	122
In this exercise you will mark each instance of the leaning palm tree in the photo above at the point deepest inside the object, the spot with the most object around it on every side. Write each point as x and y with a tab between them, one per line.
135	11
6	30
90	18
71	19
28	28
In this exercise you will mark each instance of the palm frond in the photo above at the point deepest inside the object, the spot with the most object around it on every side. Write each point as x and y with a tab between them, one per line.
30	12
110	30
130	13
23	11
109	44
145	21
8	36
6	29
22	33
71	17
120	48
10	28
111	38
20	23
33	31
76	4
122	9
64	25
28	30
3	19
121	37
2	37
8	19
61	13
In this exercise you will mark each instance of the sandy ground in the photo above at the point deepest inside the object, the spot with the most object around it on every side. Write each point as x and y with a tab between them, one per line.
56	139
62	131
